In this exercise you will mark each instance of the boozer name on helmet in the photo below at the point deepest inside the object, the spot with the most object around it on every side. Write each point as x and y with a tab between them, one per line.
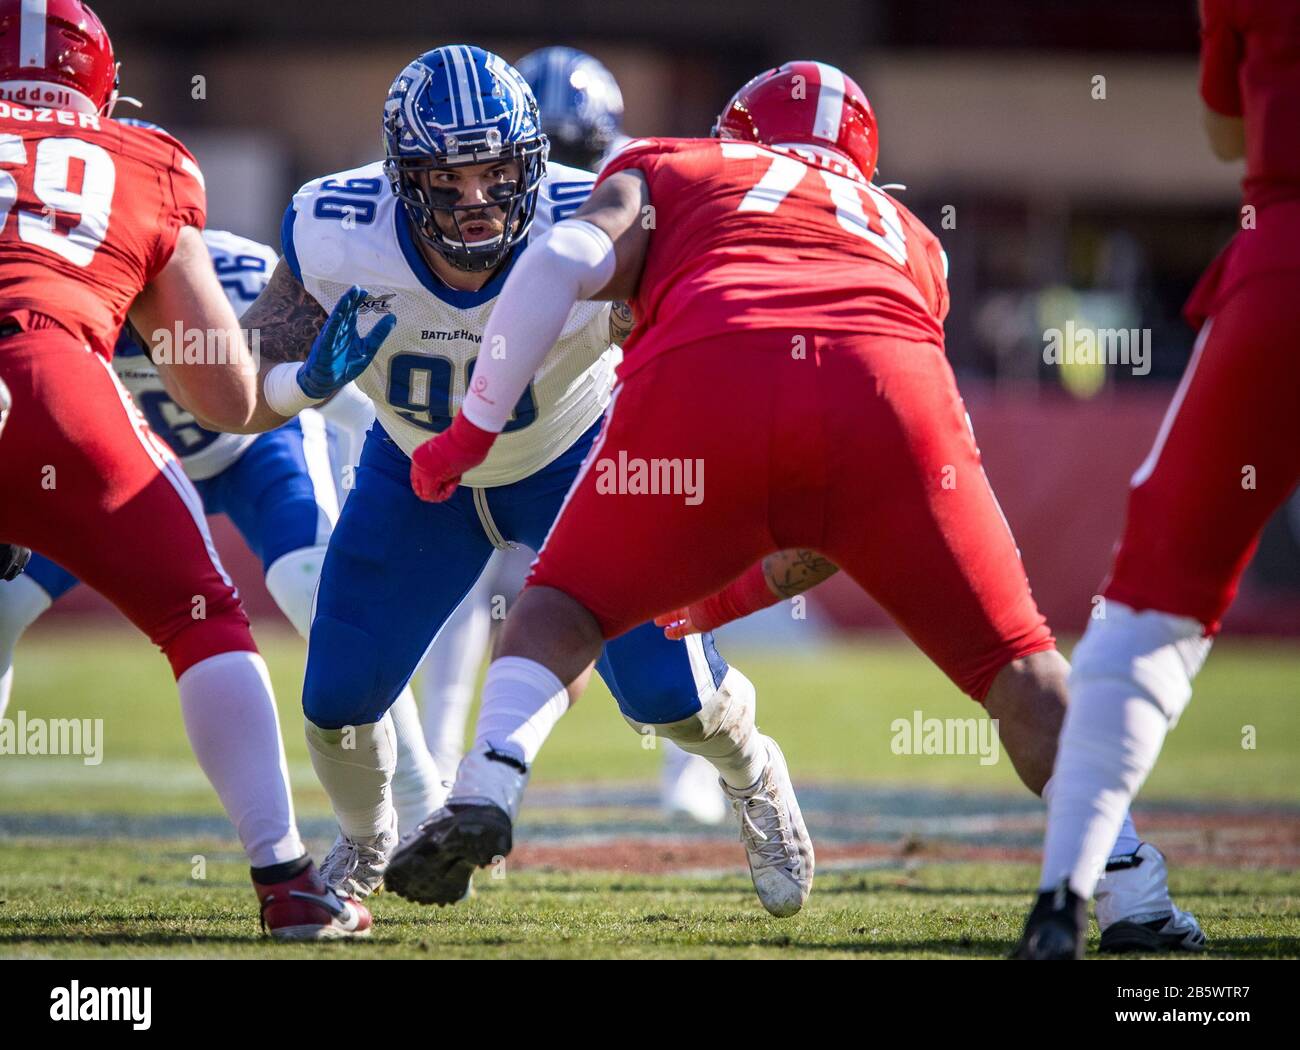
55	54
804	103
457	106
582	107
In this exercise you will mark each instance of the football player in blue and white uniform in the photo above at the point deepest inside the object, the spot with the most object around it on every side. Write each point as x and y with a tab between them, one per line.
582	118
389	274
282	490
581	104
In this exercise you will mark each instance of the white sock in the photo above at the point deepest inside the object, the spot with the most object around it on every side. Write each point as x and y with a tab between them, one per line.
417	786
1126	842
1109	743
522	701
230	719
1130	681
355	766
446	708
21	603
449	672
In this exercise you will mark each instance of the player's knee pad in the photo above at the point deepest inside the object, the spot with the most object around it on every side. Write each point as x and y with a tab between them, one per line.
722	726
22	600
372	744
1157	653
292	580
343	685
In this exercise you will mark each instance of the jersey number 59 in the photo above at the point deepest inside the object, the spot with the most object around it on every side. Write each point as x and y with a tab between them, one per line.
51	184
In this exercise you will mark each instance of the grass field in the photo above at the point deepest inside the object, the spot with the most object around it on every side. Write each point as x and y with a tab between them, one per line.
918	855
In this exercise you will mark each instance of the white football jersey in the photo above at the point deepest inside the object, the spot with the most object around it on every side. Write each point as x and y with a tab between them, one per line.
243	267
349	228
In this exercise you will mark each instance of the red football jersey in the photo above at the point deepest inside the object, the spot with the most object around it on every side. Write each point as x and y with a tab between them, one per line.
1250	67
90	210
755	237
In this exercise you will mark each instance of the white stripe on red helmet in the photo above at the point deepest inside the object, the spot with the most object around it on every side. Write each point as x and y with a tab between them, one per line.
830	102
32	27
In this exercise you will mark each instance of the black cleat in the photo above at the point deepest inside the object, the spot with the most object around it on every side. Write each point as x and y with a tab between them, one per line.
1134	909
1057	928
13	560
1170	933
435	865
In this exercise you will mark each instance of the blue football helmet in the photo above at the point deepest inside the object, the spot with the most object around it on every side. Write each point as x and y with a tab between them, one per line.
454	106
582	107
136	122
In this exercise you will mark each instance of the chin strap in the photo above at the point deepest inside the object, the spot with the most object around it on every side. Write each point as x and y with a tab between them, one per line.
111	104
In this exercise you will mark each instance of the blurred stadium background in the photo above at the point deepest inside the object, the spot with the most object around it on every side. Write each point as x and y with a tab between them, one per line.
1060	206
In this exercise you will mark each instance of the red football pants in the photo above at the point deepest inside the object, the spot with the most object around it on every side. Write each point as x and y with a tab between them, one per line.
86	483
860	449
1226	456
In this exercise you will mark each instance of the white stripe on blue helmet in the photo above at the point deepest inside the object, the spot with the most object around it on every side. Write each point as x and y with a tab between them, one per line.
458	105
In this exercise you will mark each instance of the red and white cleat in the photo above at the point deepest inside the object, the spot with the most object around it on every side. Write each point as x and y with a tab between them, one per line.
305	909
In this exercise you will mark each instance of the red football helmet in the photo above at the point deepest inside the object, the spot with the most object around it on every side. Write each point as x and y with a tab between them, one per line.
56	54
810	103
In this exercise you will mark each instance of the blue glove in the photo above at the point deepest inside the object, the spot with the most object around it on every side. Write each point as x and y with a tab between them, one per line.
339	355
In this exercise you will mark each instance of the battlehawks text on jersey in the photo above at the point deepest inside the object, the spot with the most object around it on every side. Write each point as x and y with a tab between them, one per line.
349	229
244	267
90	210
848	257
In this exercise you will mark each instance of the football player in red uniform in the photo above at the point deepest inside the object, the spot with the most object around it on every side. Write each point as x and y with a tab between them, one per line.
1224	459
786	388
98	218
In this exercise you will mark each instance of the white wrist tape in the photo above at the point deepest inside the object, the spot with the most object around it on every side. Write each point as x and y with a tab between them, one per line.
573	260
282	392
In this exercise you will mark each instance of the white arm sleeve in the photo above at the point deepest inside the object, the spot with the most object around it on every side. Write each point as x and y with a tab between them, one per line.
572	261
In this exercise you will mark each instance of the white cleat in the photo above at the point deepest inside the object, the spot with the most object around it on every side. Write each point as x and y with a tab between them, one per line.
489	778
1134	909
355	868
689	788
776	841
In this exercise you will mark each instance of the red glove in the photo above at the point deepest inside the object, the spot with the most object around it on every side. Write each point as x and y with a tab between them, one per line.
746	594
437	465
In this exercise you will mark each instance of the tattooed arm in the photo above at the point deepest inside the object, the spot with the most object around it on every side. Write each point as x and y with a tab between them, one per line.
621	323
186	297
792	572
285	320
780	575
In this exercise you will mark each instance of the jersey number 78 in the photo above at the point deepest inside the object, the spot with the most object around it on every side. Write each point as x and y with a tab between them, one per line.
849	198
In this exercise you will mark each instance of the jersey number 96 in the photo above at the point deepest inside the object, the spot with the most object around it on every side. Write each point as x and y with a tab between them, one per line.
419	389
